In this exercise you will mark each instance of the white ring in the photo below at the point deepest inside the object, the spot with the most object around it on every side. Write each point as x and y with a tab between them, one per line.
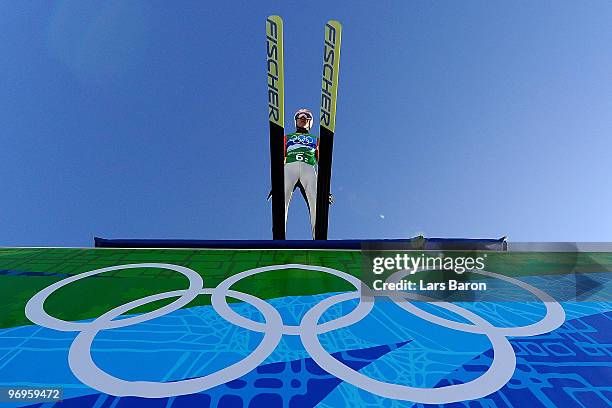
35	310
555	315
366	301
497	375
84	368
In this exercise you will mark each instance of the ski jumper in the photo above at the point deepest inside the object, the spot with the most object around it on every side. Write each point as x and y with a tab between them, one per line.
300	170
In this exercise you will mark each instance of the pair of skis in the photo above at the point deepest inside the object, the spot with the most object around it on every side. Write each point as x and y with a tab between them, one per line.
276	115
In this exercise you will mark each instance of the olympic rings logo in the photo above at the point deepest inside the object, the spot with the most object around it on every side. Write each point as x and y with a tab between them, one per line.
84	368
302	139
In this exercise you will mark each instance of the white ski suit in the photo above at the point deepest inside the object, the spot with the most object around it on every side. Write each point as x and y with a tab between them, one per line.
300	171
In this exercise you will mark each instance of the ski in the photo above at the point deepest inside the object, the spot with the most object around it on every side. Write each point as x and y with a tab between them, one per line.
329	94
276	115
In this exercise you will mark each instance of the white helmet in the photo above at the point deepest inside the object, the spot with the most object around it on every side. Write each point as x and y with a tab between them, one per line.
308	114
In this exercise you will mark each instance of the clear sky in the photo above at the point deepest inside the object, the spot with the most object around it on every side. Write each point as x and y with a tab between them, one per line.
455	119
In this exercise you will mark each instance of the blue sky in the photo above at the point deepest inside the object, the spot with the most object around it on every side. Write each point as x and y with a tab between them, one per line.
149	120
